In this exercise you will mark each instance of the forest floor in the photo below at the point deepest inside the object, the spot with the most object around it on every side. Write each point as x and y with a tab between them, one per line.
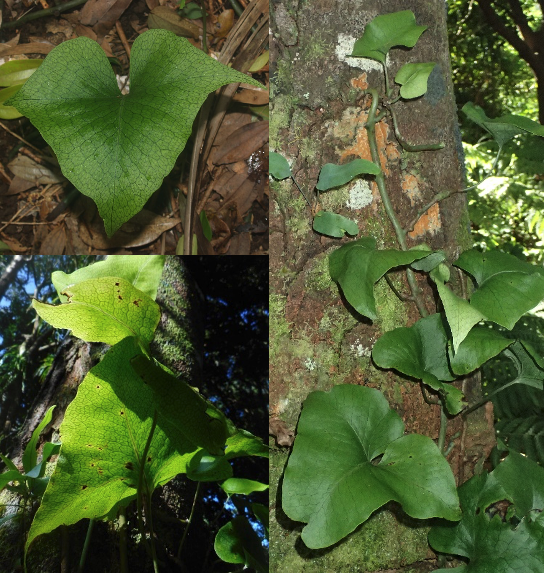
42	213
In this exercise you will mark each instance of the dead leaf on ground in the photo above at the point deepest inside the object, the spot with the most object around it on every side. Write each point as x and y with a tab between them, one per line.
102	14
242	143
252	96
167	19
223	24
31	48
240	245
28	169
142	229
54	242
14	245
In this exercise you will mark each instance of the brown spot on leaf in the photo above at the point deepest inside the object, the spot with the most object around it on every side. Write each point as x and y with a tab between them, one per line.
84	487
129	466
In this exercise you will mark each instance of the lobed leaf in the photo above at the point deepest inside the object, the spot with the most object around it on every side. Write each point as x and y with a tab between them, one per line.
106	310
420	351
333	481
487	537
141	271
386	31
103	435
118	148
356	266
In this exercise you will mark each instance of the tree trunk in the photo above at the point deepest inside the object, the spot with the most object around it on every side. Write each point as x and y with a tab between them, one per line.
178	344
318	116
10	272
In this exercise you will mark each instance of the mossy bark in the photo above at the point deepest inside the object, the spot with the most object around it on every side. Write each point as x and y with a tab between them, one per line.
318	113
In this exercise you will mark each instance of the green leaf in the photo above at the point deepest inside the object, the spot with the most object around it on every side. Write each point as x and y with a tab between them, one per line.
356	266
502	128
206	229
205	467
387	31
527	363
244	443
30	456
98	466
117	148
7	111
10	475
428	263
278	166
334	225
332	175
421	352
413	79
262	514
524	435
237	542
460	314
182	406
333	481
507	287
242	486
9	464
142	271
106	310
491	544
17	71
480	345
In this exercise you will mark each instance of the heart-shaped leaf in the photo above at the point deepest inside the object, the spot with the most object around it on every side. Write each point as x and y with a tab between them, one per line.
486	535
413	79
502	128
386	31
332	175
141	271
278	166
421	352
507	287
118	148
333	481
334	225
356	266
98	467
106	310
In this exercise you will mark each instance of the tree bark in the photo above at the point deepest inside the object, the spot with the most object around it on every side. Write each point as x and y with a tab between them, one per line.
178	344
10	272
318	116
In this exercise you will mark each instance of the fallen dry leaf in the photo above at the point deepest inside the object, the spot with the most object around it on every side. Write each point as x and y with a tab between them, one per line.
252	96
102	14
223	24
142	229
240	245
54	242
167	19
242	143
31	48
26	168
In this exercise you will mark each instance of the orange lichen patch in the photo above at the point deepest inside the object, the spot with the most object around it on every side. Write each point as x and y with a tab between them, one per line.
429	222
360	83
392	151
410	186
361	147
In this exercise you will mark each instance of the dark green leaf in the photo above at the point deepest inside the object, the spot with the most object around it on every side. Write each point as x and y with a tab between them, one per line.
30	456
387	31
480	345
278	166
507	287
485	535
502	128
421	352
334	225
332	175
206	229
356	266
118	148
331	481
